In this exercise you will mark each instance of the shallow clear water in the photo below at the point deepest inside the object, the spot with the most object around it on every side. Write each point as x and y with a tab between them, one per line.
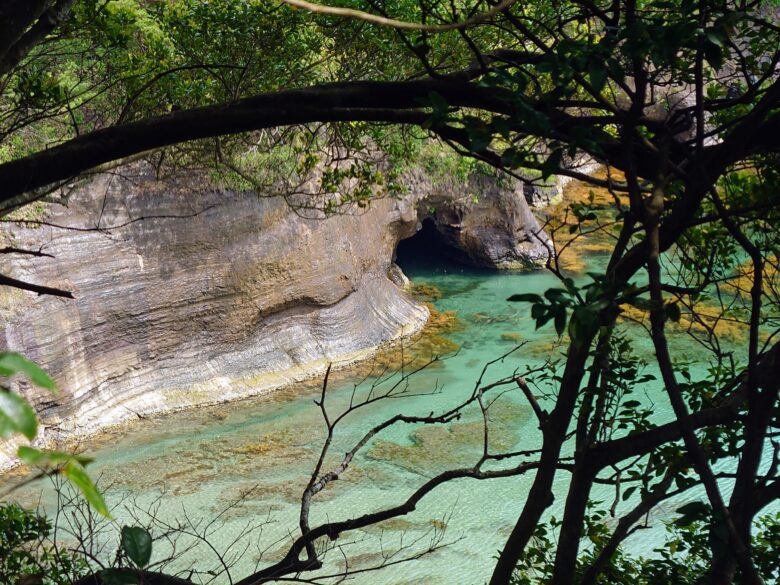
256	455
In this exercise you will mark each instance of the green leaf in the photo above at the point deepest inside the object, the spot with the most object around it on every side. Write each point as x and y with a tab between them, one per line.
641	303
32	456
78	476
437	103
560	321
693	508
692	512
552	164
513	158
714	37
118	577
16	415
672	311
538	311
713	54
14	363
478	133
137	543
525	298
554	295
616	70
629	491
597	75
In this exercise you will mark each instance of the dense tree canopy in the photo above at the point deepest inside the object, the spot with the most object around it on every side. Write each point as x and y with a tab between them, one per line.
679	99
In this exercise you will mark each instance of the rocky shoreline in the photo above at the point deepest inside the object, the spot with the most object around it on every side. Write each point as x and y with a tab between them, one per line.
187	294
206	394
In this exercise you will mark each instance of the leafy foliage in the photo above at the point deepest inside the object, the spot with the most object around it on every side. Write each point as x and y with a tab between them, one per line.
684	557
25	550
18	417
137	544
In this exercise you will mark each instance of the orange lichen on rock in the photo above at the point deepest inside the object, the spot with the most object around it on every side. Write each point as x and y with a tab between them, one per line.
742	284
701	319
573	241
425	292
432	341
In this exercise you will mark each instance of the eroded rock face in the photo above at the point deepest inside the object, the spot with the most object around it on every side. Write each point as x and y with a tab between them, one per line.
187	294
486	222
240	297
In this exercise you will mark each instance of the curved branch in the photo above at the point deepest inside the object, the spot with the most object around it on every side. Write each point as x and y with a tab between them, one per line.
400	24
332	530
394	102
145	577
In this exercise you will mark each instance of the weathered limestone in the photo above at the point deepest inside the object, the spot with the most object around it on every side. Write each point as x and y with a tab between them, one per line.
486	222
198	295
241	297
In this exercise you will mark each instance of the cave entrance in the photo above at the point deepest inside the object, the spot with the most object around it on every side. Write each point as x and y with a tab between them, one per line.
426	252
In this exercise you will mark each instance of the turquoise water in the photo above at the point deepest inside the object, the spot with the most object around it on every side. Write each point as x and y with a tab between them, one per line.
246	463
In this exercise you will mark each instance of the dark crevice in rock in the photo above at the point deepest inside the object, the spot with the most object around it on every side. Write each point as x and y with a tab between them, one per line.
486	224
429	251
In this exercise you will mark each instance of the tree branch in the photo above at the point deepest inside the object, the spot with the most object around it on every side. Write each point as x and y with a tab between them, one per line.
36	288
399	24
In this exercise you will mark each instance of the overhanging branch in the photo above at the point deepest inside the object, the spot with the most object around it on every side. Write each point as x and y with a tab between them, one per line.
36	288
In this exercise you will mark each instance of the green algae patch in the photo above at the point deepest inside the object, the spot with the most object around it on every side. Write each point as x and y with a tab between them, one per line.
435	448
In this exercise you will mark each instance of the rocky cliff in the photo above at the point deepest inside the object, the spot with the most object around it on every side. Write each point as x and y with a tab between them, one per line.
486	222
188	294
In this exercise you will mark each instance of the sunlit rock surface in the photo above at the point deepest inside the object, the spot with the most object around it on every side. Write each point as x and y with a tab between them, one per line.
187	294
213	296
486	222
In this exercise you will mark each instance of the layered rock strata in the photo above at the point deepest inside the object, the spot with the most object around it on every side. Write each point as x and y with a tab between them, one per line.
200	296
187	294
485	221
